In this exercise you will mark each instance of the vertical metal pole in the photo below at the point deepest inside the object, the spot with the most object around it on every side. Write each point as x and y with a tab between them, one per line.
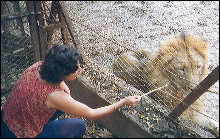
41	31
34	30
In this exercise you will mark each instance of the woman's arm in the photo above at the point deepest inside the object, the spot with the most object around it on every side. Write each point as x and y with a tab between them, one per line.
67	104
64	87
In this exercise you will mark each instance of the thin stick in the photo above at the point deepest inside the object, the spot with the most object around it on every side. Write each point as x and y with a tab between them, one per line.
154	90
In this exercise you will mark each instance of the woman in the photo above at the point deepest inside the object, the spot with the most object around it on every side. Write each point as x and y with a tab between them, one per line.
41	93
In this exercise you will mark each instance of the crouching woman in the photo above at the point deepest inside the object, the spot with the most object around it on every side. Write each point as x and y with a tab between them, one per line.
40	95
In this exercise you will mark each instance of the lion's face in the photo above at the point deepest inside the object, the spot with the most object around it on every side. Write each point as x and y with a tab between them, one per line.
184	71
180	65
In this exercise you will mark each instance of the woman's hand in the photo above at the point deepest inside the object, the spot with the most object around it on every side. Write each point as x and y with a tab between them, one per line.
132	100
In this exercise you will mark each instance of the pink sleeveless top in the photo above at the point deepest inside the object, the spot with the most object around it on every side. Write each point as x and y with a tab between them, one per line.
25	112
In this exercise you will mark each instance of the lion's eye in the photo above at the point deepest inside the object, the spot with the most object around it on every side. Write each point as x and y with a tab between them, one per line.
181	71
199	67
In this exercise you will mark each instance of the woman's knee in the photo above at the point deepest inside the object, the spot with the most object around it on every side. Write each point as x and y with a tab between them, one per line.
81	126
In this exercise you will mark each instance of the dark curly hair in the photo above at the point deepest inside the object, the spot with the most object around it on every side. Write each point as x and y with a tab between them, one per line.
59	62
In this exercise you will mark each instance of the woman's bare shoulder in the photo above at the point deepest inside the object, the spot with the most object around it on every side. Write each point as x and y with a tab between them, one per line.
57	98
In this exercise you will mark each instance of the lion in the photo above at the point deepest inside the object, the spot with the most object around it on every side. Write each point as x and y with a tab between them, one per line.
181	63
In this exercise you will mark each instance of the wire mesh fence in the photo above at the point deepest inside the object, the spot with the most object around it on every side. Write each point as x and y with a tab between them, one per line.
17	52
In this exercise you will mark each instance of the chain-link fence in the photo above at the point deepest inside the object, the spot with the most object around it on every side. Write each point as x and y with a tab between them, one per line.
17	52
